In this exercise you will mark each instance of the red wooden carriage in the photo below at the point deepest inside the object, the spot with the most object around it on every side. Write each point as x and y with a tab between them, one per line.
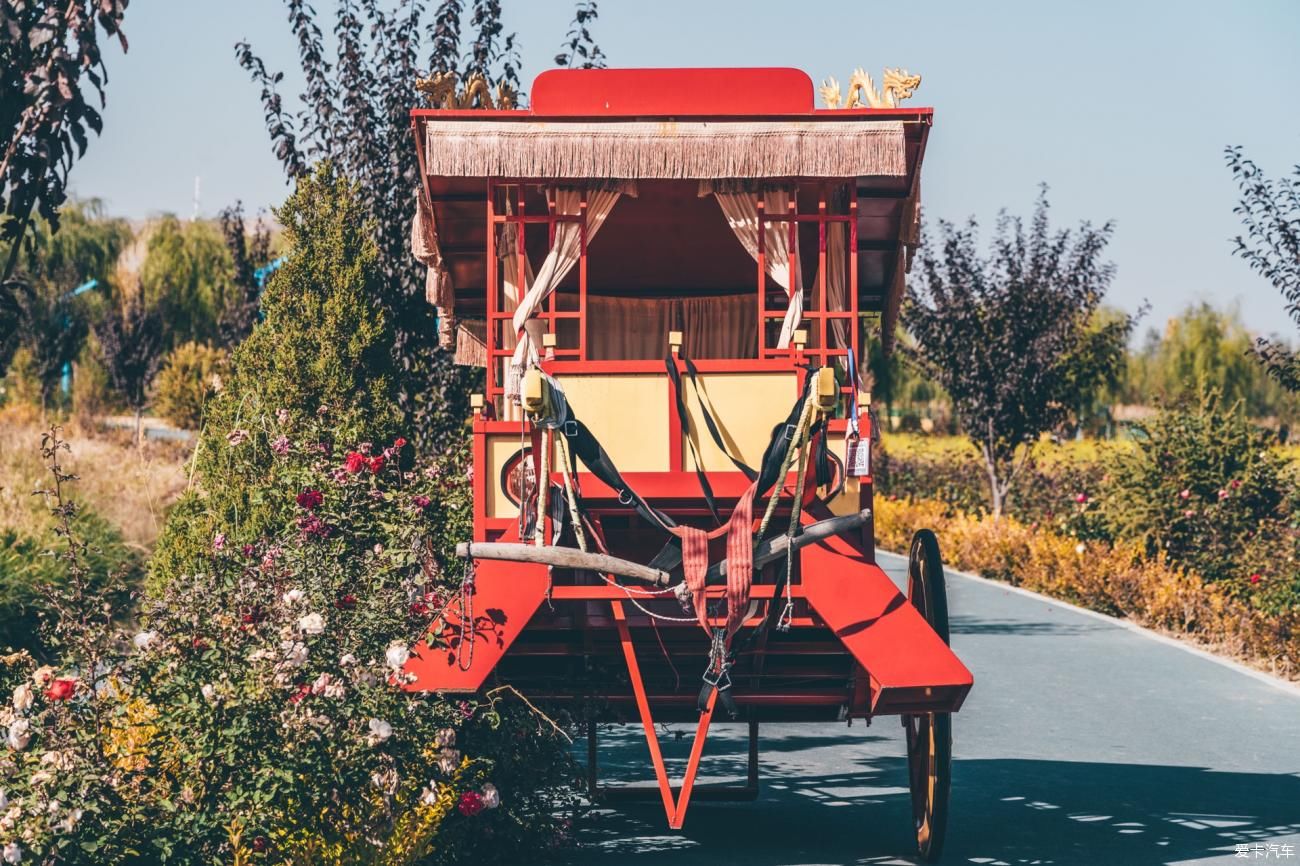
669	276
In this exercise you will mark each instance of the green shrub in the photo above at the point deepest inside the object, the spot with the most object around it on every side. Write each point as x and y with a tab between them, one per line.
29	570
191	375
323	350
92	395
1204	486
258	715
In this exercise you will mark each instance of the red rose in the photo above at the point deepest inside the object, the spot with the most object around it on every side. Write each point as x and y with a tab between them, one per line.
470	804
61	689
377	463
419	609
421	501
310	499
198	643
346	602
399	442
301	692
1256	578
354	462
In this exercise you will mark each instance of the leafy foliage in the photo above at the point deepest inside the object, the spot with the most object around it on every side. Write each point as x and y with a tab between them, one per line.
355	114
36	307
580	50
1009	336
248	253
258	714
187	277
322	350
50	59
191	376
1270	212
1204	487
1205	349
130	339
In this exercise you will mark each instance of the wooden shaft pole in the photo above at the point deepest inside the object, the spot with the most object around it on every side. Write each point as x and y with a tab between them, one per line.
570	557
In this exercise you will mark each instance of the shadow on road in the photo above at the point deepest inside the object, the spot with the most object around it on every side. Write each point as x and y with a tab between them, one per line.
1004	811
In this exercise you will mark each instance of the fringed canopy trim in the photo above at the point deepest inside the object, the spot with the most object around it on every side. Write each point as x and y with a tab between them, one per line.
665	149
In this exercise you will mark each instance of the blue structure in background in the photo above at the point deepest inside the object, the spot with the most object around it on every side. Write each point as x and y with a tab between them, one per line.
66	381
260	275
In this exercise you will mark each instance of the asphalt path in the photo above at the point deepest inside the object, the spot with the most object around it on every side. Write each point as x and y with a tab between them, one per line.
1083	743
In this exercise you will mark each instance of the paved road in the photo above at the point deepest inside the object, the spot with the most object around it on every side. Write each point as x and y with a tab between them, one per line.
1083	743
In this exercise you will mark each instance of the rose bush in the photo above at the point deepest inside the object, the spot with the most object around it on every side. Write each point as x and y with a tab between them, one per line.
254	712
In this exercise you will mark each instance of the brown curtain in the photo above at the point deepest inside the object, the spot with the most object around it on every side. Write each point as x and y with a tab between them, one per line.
636	329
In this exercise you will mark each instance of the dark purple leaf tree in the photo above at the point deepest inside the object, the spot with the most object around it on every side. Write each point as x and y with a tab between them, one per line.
1011	335
52	77
1270	211
131	343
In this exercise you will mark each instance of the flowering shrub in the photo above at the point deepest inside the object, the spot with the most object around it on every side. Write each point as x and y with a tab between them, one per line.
1206	488
255	714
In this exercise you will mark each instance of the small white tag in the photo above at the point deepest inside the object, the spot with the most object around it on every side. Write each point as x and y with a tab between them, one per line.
857	458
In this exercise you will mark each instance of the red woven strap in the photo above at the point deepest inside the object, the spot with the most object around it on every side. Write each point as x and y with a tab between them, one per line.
740	561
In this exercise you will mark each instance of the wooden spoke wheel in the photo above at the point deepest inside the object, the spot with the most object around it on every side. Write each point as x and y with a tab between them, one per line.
929	735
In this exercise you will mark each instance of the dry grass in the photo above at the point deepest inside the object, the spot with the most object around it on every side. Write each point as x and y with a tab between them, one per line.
1117	580
130	489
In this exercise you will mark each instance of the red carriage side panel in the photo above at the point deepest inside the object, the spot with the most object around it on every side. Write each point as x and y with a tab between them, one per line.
908	664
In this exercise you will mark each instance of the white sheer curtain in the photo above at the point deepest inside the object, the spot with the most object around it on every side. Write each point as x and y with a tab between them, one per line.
564	254
741	210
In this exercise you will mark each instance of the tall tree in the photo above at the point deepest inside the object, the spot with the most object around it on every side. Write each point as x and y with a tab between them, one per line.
1270	211
50	61
38	310
187	277
249	252
354	113
1010	336
580	50
131	342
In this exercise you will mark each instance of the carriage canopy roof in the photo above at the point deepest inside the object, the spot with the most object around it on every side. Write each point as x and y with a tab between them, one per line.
660	125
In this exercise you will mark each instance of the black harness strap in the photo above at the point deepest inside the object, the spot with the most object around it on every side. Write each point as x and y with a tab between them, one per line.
714	430
684	419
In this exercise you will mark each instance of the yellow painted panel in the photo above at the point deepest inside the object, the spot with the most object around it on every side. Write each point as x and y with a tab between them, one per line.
627	413
746	406
499	450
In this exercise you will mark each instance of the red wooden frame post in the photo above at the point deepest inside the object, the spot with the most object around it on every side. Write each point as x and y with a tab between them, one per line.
674	805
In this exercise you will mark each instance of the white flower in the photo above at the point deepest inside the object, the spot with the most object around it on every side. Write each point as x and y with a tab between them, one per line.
209	693
13	853
69	822
429	796
1081	548
19	734
23	698
42	675
445	737
292	596
4	799
396	655
379	731
295	653
312	623
448	761
145	639
491	796
347	660
328	686
61	761
385	780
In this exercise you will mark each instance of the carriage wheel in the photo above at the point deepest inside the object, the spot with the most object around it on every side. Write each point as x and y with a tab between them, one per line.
929	735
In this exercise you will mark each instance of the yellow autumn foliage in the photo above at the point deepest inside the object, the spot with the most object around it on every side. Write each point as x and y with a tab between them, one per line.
1117	580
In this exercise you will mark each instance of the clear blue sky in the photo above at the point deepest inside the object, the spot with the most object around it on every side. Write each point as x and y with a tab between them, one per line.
1123	108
